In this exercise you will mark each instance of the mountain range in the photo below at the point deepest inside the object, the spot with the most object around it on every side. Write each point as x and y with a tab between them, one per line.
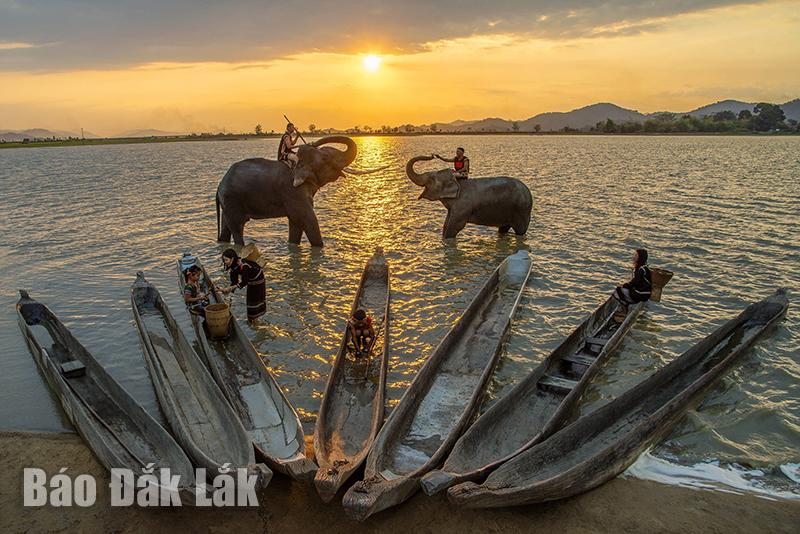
41	133
580	118
590	115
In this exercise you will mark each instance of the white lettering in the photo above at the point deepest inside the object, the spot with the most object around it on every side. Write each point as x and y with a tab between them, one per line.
33	487
202	498
122	487
247	488
62	486
85	490
169	488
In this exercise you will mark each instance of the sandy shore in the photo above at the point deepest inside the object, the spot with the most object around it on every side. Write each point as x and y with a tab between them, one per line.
623	505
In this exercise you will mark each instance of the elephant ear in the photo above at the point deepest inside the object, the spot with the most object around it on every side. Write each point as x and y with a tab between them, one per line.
304	171
440	188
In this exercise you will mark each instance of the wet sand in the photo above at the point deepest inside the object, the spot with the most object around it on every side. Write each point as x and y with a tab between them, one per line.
623	505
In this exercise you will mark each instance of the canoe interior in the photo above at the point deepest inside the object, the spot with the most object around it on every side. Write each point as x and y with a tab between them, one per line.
544	399
451	383
352	408
266	414
117	429
633	421
191	401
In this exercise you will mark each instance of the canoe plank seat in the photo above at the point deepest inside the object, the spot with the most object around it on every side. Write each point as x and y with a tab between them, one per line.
580	358
596	343
72	369
557	383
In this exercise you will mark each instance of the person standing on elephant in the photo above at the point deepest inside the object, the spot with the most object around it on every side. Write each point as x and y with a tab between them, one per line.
247	273
286	151
460	164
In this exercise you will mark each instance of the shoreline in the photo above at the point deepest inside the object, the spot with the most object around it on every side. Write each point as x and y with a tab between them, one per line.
247	137
624	504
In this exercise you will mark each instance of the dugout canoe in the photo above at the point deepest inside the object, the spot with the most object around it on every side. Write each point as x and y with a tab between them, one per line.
351	412
201	419
267	415
602	444
443	397
118	430
540	404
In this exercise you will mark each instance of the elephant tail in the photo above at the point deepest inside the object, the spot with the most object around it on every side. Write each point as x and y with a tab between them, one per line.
217	202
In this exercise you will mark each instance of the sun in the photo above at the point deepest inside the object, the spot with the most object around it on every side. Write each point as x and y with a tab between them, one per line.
372	62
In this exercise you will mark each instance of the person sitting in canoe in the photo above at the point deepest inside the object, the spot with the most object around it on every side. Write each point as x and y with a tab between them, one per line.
194	294
246	273
361	332
460	164
638	289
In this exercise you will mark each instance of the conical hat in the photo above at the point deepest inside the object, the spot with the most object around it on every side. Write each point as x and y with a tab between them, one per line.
250	252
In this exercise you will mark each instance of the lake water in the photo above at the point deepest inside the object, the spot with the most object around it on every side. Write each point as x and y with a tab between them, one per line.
722	212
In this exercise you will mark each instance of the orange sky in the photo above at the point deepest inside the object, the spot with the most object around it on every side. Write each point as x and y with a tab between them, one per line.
749	52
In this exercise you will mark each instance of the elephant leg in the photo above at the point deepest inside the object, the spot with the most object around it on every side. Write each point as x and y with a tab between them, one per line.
295	232
504	229
521	226
237	229
313	233
454	223
224	231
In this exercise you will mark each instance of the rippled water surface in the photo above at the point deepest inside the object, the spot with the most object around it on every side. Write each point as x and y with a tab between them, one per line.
722	212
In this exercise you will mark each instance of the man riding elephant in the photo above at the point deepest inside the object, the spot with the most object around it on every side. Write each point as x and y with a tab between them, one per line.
500	201
286	152
258	188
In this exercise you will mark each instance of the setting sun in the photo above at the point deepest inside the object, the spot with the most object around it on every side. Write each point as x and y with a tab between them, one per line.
372	62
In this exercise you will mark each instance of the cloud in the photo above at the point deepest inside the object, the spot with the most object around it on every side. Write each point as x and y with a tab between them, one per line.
107	34
4	45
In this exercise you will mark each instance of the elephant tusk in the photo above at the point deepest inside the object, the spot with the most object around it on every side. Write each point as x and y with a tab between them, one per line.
350	170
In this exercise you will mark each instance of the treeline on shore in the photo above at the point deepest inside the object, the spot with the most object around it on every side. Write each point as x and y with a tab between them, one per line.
763	118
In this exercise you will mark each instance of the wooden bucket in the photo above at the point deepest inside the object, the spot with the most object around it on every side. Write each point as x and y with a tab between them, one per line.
217	318
660	278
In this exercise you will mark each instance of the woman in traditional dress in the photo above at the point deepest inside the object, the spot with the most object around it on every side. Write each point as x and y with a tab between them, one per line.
246	273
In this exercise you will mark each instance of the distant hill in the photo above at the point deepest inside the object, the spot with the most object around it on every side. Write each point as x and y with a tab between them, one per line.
792	109
581	117
552	121
588	116
41	133
148	133
724	105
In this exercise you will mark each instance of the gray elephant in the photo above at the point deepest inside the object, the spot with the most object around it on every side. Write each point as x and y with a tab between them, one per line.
499	201
258	188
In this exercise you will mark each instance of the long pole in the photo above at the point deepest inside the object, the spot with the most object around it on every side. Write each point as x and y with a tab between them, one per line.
298	131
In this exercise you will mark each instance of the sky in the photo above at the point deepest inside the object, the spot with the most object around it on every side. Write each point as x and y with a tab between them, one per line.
113	66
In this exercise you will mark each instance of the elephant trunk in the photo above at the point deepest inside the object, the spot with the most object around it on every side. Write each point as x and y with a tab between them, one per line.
347	156
418	179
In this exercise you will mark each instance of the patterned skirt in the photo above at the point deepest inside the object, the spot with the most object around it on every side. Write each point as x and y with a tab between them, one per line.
256	298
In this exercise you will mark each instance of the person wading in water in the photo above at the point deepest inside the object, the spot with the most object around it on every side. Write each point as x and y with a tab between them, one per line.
460	164
248	273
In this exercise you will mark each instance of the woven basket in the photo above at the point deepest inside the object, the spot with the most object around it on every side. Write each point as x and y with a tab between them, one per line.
660	278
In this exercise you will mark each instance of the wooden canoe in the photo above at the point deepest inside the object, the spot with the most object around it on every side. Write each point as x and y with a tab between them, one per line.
443	397
537	406
200	417
266	413
120	433
351	412
602	444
